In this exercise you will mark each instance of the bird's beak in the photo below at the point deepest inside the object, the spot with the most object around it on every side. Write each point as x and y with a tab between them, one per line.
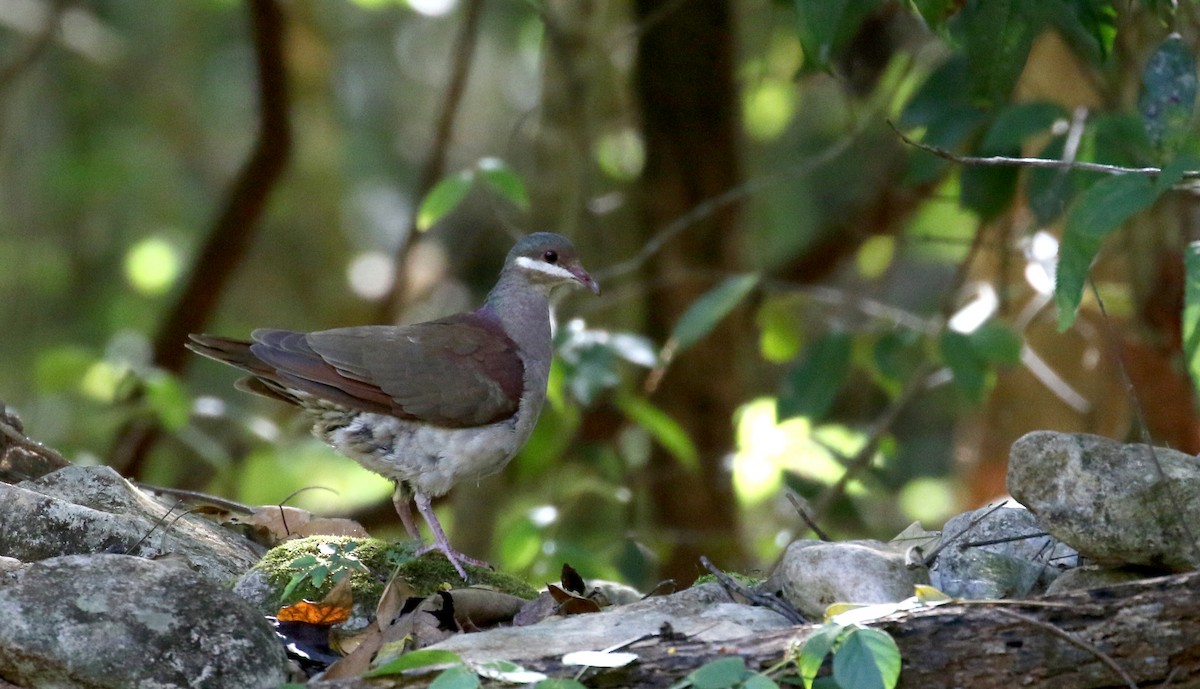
584	279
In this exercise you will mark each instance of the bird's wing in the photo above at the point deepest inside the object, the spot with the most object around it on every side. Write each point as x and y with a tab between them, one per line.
458	371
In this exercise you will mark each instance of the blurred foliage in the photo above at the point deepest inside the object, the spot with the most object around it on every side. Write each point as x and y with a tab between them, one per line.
868	262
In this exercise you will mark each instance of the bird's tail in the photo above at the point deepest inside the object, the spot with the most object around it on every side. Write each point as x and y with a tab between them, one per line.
263	379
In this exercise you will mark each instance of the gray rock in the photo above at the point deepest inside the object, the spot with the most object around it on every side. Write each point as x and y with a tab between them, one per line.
703	612
84	510
1106	499
1008	566
100	621
815	574
1094	576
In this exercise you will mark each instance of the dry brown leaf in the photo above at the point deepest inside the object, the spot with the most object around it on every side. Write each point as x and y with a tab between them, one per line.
333	609
570	603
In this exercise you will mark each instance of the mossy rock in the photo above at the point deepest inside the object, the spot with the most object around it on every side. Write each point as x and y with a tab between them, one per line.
318	558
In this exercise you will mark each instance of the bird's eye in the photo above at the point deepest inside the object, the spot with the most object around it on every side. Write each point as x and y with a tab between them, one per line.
551	256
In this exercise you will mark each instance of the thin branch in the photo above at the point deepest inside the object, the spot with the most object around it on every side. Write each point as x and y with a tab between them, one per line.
10	427
1074	641
1140	416
463	53
882	425
975	521
1006	161
707	208
765	600
802	510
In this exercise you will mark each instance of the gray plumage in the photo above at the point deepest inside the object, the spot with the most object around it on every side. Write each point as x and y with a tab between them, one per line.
429	404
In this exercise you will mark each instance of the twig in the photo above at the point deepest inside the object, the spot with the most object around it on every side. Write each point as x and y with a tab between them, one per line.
1006	539
882	425
711	205
970	525
463	53
765	600
1075	641
1007	161
18	438
1139	414
198	496
802	510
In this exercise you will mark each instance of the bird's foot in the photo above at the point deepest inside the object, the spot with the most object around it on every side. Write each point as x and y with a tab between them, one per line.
457	559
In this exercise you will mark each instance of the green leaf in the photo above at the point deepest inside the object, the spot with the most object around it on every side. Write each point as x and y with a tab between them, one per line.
665	430
1191	313
779	328
504	181
826	26
996	343
1016	123
996	36
988	190
1089	26
1099	210
443	198
875	255
970	372
867	659
894	356
719	674
559	683
703	315
814	383
1168	96
425	657
816	647
759	681
460	677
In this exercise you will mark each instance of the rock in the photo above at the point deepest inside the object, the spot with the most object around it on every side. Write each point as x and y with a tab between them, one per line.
1107	500
703	613
815	574
1014	567
85	510
1095	576
100	621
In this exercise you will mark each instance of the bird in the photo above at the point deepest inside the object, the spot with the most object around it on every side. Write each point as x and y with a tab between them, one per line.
429	404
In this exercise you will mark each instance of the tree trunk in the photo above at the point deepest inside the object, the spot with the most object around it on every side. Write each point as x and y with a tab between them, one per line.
688	101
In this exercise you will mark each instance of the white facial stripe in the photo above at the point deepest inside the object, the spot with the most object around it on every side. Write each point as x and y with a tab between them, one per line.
547	268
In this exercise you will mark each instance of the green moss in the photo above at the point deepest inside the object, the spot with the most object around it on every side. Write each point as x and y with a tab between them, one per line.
742	579
426	574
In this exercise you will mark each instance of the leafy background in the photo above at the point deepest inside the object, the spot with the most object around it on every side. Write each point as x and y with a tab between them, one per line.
795	297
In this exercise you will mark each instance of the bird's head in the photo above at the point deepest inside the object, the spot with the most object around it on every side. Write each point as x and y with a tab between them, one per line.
549	260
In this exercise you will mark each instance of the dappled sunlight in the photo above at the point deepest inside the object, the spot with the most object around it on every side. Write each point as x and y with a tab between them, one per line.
767	448
337	485
152	266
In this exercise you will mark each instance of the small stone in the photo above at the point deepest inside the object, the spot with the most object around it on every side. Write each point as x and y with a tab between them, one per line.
1094	576
815	574
1110	500
1015	562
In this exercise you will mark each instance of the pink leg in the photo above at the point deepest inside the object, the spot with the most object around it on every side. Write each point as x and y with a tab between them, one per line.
401	498
440	542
